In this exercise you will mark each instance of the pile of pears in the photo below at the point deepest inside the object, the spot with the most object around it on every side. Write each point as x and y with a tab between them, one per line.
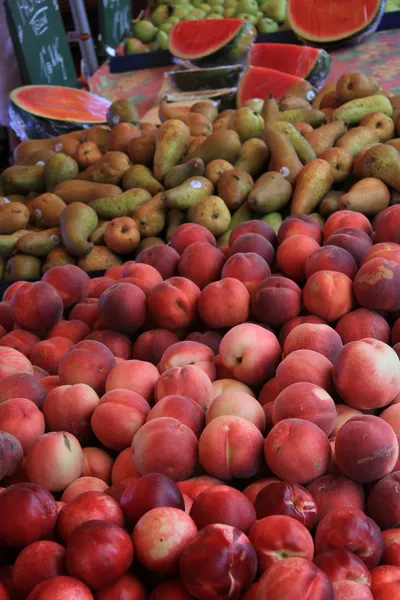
267	16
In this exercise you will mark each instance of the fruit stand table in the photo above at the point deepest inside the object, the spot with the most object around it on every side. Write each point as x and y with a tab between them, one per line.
378	56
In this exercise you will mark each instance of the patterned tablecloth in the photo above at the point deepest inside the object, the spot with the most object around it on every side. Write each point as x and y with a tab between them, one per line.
378	56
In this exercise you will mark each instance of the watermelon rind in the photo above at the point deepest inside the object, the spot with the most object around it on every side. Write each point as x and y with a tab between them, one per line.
320	70
191	80
353	37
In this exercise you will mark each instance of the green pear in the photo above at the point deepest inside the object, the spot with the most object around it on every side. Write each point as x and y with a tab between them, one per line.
197	3
122	205
247	123
214	3
160	15
198	13
266	25
205	7
274	219
161	42
139	176
189	193
275	9
249	7
248	17
214	15
77	222
173	20
218	9
134	46
180	11
189	17
229	12
60	167
145	31
180	173
166	27
172	142
231	3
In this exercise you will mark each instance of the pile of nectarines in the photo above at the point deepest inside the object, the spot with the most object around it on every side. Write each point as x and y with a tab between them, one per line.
207	423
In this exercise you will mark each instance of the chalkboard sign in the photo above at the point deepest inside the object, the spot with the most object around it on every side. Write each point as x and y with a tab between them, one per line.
40	42
115	19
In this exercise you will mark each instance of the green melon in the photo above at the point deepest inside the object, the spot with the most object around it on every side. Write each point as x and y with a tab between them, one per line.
43	111
332	23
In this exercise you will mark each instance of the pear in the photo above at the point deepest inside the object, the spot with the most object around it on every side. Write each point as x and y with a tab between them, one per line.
283	155
255	104
249	7
341	162
223	144
8	243
312	183
139	176
325	136
58	258
59	167
122	111
148	243
270	193
161	41
266	25
77	222
160	15
233	187
244	213
253	157
211	212
13	217
175	218
199	125
247	123
274	219
330	203
270	110
39	243
109	169
216	168
134	46
188	193
351	86
122	205
22	179
99	258
178	174
304	149
206	108
357	138
275	9
312	116
97	236
368	196
383	162
326	90
22	267
172	142
150	217
145	31
290	102
382	124
354	111
303	89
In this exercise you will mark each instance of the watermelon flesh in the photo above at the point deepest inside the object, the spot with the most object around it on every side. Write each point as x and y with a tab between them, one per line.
331	20
289	58
259	82
196	39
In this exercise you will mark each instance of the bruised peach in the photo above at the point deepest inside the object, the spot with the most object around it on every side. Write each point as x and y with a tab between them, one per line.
376	285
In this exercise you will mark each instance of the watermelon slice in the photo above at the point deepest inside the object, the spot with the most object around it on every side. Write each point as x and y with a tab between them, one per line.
212	42
312	64
259	82
333	23
42	111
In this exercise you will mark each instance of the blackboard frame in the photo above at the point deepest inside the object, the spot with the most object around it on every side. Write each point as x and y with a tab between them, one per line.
108	11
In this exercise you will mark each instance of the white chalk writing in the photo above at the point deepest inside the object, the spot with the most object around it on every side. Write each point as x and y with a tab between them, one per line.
51	60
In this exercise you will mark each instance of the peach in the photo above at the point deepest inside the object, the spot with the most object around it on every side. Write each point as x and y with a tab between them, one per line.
201	263
224	303
363	323
222	372
392	416
70	408
367	374
219	560
22	419
119	344
122	307
254	243
385	582
50	382
292	323
376	285
11	455
212	339
61	587
190	381
297	451
115	272
386	225
383	504
290	499
388	250
189	353
128	586
54	460
253	226
277	537
108	552
223	504
123	468
117	418
305	400
172	304
346	589
391	547
395	334
195	485
86	507
320	338
252	490
87	362
329	295
98	285
6	318
11	289
305	366
86	311
294	578
249	268
20	340
190	233
134	375
231	447
350	529
37	307
160	536
22	385
331	258
343	414
184	409
346	218
341	565
71	283
81	486
97	463
172	589
251	352
292	255
151	345
163	258
352	239
38	562
238	404
74	330
48	353
366	448
331	492
223	385
143	276
275	301
28	514
166	446
300	225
